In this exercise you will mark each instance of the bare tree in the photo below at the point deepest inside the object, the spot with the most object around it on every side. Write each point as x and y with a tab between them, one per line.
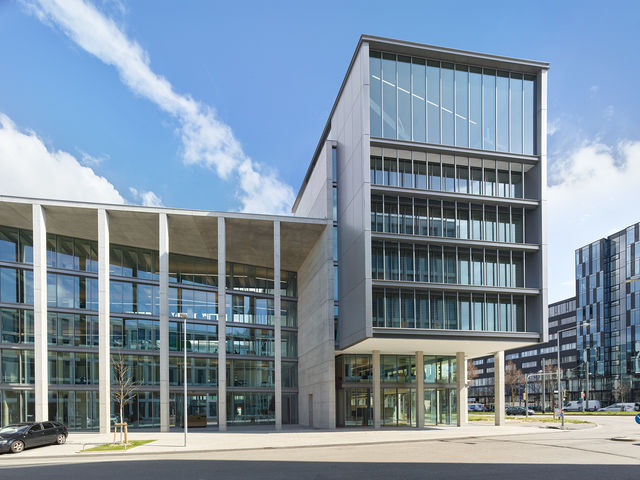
620	390
514	378
472	372
126	386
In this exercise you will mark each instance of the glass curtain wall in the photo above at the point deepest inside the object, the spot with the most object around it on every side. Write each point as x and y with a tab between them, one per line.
447	173
433	309
443	103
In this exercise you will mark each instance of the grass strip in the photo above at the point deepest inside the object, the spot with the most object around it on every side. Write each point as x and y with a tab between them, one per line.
478	418
116	447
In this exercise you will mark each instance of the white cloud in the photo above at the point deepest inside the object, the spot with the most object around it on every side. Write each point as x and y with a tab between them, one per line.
206	140
594	193
92	160
148	199
29	169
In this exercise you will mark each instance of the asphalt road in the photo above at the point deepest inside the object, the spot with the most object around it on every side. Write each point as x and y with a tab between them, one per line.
581	454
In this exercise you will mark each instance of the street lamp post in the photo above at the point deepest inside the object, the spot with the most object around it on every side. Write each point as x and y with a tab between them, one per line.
585	324
184	351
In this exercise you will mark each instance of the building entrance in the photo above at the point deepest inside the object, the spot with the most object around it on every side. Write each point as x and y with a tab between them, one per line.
440	406
399	407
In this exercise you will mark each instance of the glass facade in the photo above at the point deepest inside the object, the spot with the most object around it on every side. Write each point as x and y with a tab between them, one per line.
425	100
608	299
73	337
448	219
444	310
449	173
398	402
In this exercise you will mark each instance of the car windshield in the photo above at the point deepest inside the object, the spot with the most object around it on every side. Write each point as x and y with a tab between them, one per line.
13	429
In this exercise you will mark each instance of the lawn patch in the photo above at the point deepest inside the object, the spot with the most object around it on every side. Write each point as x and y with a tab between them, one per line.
116	447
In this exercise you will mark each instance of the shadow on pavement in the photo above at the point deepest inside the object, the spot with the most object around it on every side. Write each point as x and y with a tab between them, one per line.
229	469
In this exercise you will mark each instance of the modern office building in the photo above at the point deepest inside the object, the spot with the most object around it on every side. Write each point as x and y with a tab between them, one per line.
537	359
417	241
608	314
433	162
83	285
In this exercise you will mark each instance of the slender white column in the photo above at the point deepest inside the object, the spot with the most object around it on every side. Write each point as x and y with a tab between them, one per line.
461	368
40	313
498	386
377	397
104	352
420	389
222	329
163	254
277	324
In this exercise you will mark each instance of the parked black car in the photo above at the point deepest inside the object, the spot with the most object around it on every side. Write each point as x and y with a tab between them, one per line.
516	410
17	437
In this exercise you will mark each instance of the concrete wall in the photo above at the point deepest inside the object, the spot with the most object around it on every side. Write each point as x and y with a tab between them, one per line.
316	200
350	129
316	361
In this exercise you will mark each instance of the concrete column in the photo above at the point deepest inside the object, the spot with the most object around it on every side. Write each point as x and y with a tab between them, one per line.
420	389
277	324
461	367
40	313
163	254
104	351
377	394
498	386
222	328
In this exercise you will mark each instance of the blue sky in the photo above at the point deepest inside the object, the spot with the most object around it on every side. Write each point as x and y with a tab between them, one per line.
265	75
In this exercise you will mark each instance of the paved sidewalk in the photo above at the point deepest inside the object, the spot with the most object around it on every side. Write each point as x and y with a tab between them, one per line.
262	438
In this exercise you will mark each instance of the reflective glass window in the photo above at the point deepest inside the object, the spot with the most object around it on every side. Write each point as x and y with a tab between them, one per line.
489	109
388	95
515	85
502	109
418	95
475	107
375	92
462	108
404	98
447	99
529	120
433	101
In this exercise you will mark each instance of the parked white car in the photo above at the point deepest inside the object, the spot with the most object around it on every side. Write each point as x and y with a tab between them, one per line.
476	407
618	407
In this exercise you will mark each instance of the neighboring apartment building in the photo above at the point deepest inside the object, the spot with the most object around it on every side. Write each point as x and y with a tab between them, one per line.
435	161
538	359
418	241
608	300
604	318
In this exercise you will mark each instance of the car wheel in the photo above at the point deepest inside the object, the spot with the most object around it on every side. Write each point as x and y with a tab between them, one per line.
60	439
17	446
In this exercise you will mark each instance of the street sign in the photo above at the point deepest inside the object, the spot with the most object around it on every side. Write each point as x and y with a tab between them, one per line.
582	394
638	419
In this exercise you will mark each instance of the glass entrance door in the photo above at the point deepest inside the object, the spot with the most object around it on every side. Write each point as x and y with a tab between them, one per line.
399	407
447	406
407	407
430	406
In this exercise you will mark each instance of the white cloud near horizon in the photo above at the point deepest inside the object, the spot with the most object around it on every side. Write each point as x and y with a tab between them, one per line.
594	190
206	140
29	169
148	199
